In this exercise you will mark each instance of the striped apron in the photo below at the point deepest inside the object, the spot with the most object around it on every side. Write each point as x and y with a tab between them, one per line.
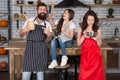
36	52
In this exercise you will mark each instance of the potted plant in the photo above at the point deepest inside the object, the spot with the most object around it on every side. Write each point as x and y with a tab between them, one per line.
110	13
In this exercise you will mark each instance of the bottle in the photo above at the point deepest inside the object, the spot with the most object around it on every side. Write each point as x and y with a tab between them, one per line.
17	1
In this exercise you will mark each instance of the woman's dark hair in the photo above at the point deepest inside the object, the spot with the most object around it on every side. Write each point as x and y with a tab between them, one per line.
84	24
60	23
41	4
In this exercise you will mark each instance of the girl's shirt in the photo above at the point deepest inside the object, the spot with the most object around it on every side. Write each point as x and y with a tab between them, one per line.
62	36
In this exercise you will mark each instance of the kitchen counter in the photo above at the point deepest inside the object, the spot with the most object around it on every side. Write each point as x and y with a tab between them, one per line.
20	44
17	46
111	41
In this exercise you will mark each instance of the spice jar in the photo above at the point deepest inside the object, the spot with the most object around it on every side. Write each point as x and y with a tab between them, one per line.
97	1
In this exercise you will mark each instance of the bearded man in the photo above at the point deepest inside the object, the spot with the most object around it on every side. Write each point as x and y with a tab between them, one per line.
36	51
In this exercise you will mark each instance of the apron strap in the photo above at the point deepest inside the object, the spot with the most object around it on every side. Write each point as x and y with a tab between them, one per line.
44	23
35	19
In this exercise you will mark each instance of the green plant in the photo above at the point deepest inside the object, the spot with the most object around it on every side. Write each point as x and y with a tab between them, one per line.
97	13
110	11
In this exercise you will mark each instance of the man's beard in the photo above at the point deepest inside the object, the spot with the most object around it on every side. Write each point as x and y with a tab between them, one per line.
42	16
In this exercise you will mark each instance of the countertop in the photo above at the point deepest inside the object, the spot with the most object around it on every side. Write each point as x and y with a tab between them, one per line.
111	41
20	44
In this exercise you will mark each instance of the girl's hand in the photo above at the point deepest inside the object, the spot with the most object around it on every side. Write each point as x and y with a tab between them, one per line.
86	35
52	16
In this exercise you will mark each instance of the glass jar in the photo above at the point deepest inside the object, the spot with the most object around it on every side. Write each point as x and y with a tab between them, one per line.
115	1
97	1
22	1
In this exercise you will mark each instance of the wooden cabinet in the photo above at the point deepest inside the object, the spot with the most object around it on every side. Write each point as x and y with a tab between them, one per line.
112	56
113	59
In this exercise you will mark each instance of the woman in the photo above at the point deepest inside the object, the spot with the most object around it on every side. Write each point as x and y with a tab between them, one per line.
89	38
65	33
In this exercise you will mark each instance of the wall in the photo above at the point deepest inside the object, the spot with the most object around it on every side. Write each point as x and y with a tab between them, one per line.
106	26
3	8
3	31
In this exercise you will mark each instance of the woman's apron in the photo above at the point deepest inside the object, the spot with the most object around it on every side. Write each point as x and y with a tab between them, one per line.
36	52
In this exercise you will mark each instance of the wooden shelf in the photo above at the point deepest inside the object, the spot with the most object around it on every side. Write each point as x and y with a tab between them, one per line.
22	19
4	69
95	5
3	55
50	4
3	13
109	18
3	41
31	4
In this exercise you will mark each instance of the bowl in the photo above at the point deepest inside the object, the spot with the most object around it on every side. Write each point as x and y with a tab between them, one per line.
30	2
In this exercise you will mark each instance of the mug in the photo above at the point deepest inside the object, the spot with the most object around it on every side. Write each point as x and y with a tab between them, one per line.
91	34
